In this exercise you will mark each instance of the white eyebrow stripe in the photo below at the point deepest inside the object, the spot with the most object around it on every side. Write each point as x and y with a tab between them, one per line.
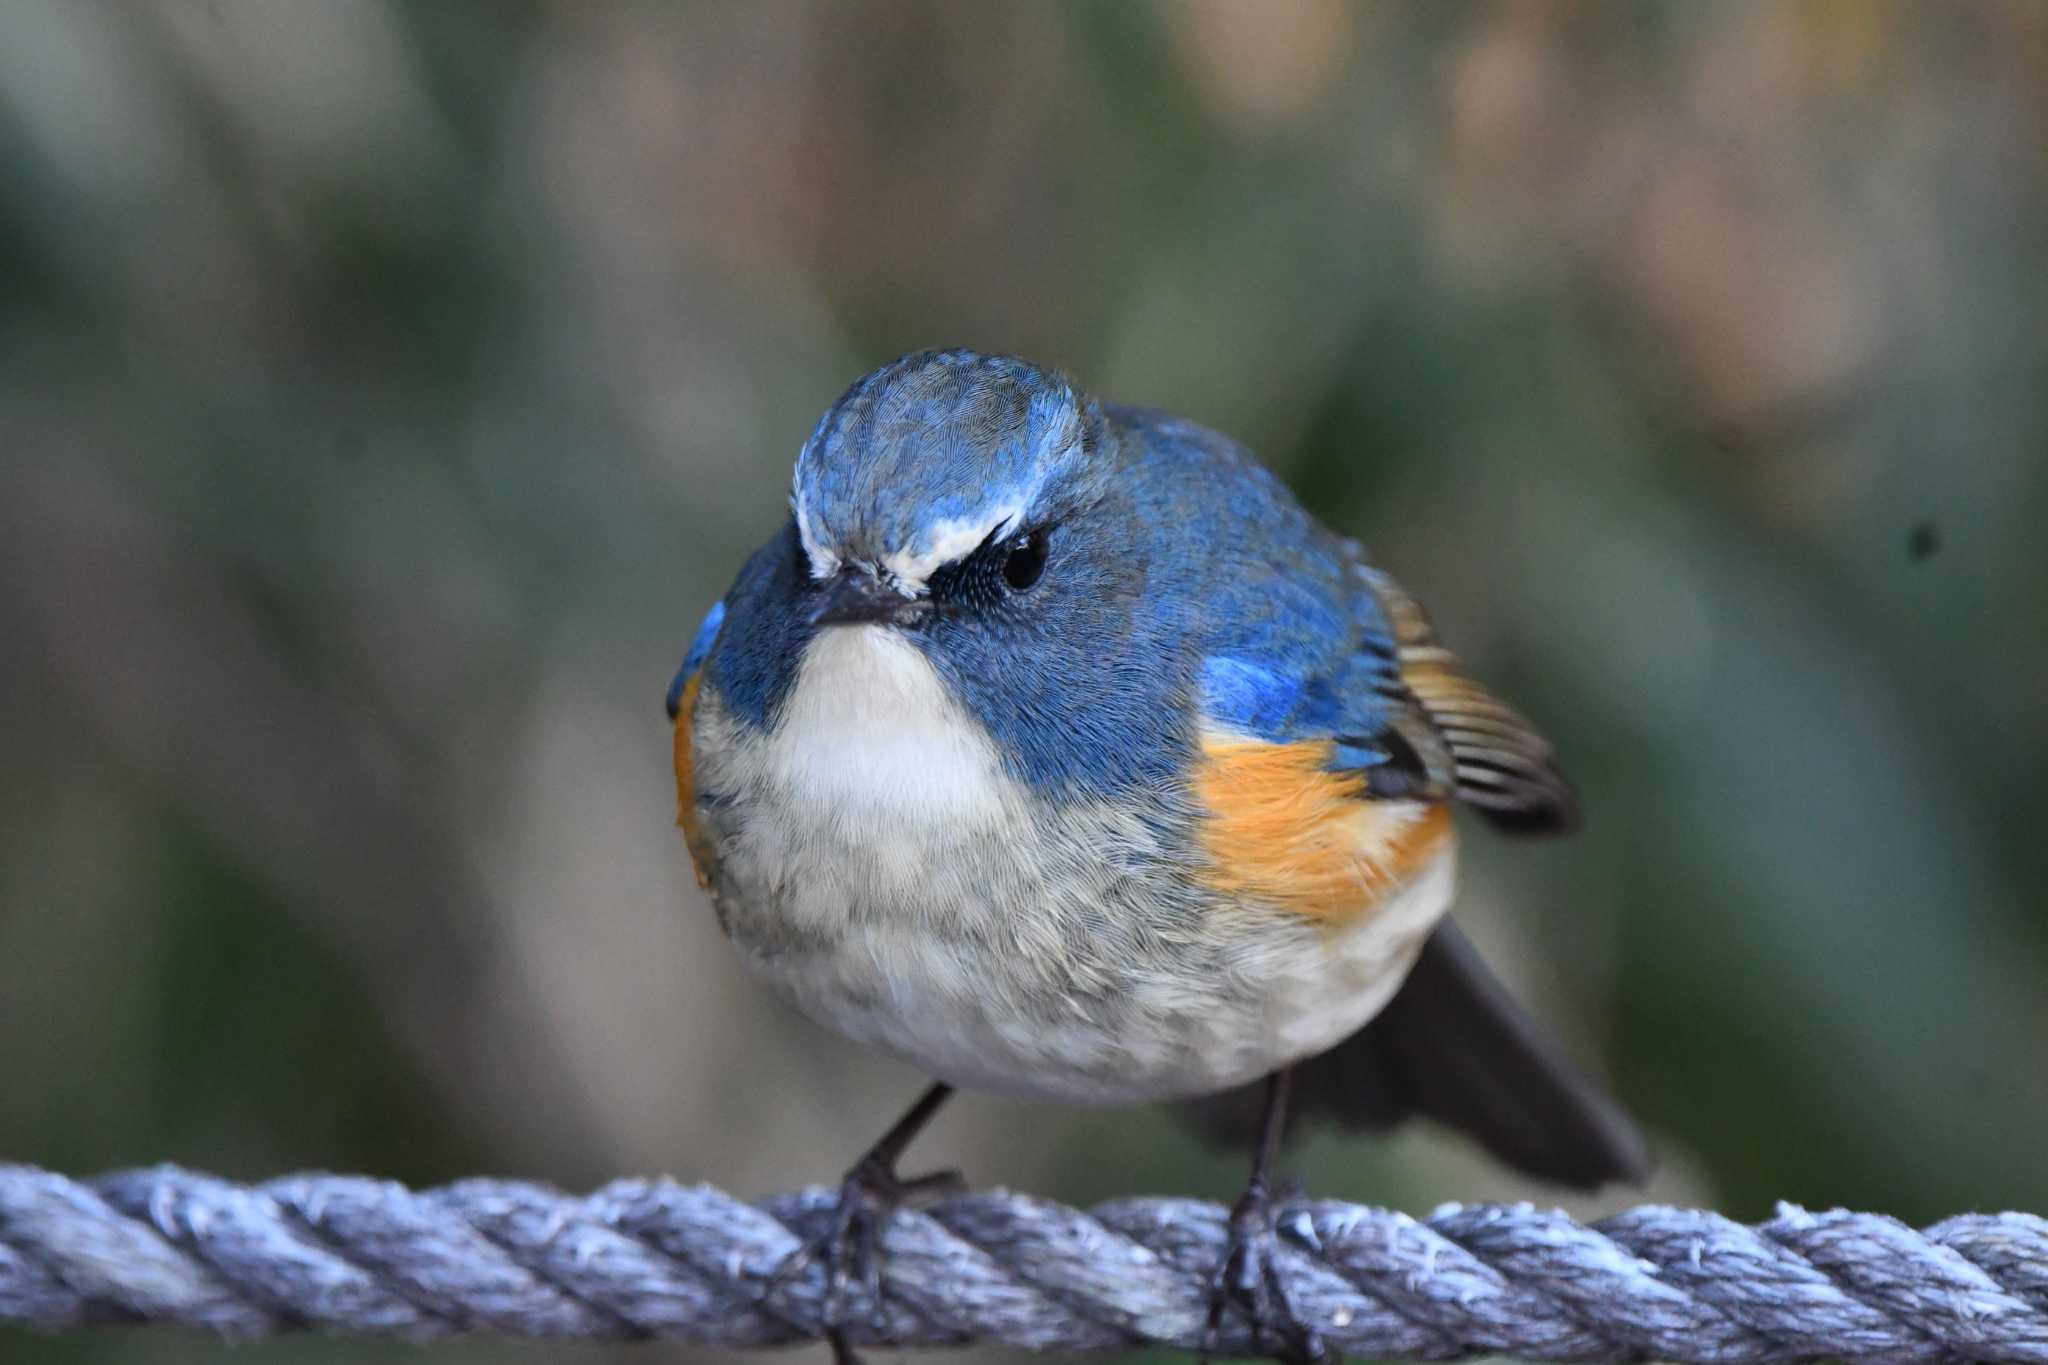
823	563
950	540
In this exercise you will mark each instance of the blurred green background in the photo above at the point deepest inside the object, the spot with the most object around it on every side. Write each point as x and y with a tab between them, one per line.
387	390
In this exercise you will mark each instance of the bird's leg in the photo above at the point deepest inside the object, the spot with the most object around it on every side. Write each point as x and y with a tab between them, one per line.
872	1190
1247	1276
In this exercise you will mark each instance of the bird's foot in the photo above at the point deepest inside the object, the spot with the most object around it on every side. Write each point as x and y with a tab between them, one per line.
1248	1279
850	1245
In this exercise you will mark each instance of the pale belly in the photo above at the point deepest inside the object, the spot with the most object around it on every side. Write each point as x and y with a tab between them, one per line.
875	866
1171	1021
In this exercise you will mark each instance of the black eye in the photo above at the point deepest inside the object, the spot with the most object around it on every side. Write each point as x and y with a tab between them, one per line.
1024	565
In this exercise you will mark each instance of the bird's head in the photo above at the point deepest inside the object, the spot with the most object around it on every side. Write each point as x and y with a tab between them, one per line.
971	512
933	492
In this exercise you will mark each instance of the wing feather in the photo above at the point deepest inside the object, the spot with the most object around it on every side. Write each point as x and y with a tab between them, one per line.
1499	762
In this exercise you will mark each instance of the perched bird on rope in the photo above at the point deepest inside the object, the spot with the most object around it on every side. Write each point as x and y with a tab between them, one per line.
1052	747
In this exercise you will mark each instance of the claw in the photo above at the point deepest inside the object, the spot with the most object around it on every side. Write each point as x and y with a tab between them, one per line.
1248	1279
851	1244
852	1237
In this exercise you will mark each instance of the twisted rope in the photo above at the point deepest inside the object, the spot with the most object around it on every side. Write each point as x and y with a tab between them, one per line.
640	1258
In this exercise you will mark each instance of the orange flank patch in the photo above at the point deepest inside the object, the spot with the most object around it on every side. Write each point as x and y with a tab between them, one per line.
1285	830
686	784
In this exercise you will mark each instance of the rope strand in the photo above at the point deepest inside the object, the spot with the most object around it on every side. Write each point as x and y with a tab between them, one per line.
638	1258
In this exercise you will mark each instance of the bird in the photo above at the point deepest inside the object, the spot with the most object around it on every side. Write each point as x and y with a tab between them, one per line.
1051	746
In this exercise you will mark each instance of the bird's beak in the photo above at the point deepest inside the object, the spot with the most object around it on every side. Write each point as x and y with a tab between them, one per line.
856	597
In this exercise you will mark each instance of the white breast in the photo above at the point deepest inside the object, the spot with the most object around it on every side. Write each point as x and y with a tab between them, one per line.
870	734
875	803
881	869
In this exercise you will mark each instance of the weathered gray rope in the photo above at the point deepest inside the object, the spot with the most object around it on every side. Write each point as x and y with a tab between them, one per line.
641	1258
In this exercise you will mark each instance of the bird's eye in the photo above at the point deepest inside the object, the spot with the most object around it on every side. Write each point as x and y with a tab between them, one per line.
996	571
1024	565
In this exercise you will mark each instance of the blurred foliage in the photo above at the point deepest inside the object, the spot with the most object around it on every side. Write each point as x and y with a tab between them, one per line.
386	390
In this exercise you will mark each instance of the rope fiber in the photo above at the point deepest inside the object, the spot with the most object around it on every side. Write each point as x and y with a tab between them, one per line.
640	1258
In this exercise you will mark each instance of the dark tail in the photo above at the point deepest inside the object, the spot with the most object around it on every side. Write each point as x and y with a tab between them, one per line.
1453	1046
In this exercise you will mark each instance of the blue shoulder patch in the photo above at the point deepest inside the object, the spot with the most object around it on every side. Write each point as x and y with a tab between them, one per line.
1356	755
700	649
1274	702
1244	696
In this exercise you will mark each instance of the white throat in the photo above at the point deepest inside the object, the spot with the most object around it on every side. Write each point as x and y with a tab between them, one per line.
870	730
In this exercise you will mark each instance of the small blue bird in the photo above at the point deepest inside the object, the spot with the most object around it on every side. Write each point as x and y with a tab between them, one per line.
1052	747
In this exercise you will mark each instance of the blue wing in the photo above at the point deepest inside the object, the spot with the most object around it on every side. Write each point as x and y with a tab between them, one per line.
1322	663
1395	705
700	649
